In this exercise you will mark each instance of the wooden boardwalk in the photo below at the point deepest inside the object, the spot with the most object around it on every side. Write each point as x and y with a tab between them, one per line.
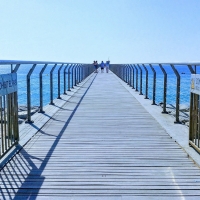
102	144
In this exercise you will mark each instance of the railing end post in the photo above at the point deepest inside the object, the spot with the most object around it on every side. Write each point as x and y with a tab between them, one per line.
41	111
177	122
29	121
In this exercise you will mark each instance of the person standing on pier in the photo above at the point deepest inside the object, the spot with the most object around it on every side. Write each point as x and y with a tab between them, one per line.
102	67
95	63
107	66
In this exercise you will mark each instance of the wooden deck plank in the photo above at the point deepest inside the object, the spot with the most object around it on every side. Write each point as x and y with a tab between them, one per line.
102	143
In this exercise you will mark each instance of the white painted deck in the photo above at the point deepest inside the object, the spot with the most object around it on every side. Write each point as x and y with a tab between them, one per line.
102	144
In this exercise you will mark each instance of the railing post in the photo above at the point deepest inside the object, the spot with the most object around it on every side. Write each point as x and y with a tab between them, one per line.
16	68
154	85
82	72
177	93
65	78
41	89
51	84
73	75
29	94
59	81
140	79
133	77
147	83
130	74
69	77
127	74
165	89
120	71
124	73
77	76
193	100
136	89
191	69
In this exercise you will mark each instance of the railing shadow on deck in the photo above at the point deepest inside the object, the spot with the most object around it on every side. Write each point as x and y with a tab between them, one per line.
28	166
39	83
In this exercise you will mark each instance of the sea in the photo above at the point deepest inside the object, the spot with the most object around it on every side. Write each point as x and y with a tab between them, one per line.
171	83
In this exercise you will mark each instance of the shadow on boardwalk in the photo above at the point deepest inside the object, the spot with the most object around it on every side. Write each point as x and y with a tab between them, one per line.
23	167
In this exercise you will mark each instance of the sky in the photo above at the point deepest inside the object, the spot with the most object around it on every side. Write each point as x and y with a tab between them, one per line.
123	31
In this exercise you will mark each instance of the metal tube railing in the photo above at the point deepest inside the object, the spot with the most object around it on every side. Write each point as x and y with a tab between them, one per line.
154	85
140	79
178	88
136	88
41	89
31	85
125	73
65	69
147	86
69	77
59	81
29	94
133	75
165	89
51	84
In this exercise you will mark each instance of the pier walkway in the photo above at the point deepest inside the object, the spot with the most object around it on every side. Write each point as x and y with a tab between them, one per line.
101	144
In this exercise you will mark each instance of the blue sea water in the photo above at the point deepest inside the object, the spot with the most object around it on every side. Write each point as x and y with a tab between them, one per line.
22	86
171	83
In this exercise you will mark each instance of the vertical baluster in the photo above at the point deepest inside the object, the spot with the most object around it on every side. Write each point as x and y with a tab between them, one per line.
133	77
178	84
69	77
65	69
41	88
59	81
28	82
51	84
165	89
140	79
136	89
5	122
2	128
154	84
147	84
192	106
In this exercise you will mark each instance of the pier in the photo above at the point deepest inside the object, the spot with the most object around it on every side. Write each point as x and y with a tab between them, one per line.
102	141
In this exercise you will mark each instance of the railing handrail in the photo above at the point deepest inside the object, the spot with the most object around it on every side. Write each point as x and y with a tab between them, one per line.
8	62
123	73
162	63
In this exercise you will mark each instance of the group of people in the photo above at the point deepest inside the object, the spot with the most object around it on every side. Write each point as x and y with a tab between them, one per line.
102	66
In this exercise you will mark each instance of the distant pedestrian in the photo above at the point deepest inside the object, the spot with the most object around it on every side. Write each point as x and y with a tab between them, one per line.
107	66
95	66
102	67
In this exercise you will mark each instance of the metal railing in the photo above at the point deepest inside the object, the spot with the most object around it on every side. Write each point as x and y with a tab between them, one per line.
40	83
194	128
9	132
137	76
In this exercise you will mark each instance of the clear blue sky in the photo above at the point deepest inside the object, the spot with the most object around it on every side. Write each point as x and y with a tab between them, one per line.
126	31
